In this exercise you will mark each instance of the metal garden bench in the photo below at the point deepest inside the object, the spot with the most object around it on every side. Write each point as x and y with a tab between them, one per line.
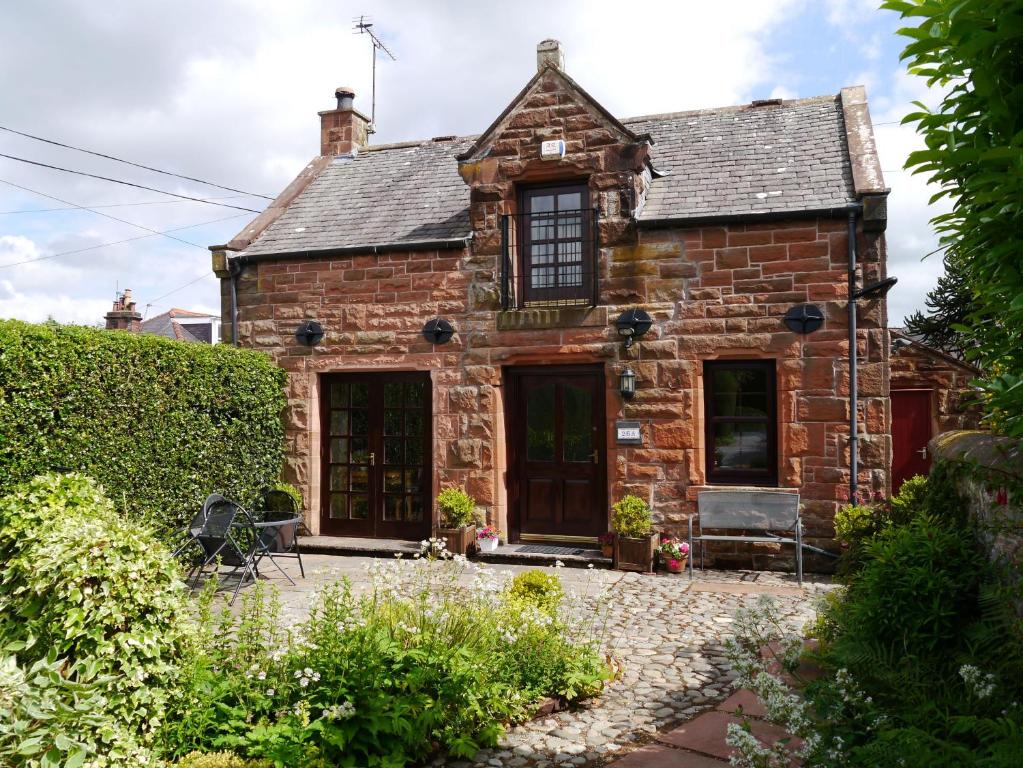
769	512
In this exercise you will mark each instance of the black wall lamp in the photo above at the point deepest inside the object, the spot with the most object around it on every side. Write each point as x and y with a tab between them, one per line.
310	333
804	318
631	324
627	383
876	290
438	331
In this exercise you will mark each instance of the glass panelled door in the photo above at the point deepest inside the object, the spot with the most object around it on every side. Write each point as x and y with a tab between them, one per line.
558	438
376	455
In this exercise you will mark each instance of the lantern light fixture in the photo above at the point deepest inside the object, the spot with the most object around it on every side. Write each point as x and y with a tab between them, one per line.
627	383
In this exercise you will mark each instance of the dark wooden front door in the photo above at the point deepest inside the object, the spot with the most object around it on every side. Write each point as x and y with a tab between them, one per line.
911	431
558	456
376	455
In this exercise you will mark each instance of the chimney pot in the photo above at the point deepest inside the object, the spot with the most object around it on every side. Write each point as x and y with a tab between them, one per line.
345	97
550	53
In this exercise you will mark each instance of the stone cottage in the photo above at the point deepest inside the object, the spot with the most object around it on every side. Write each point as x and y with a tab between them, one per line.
572	306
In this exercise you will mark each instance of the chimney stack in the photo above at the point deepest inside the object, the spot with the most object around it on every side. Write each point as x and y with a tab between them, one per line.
124	316
550	52
344	130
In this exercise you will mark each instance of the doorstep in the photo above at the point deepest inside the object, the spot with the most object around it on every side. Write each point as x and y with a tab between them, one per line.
507	554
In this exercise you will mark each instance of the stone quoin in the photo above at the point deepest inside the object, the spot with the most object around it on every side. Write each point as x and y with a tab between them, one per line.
715	222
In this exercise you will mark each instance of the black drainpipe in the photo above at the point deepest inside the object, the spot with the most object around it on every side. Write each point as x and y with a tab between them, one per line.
853	395
234	266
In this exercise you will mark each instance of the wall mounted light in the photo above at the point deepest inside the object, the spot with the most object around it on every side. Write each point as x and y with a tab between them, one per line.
309	334
804	318
876	290
627	383
633	323
438	331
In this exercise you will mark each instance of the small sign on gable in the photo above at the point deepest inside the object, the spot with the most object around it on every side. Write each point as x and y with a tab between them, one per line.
628	433
552	150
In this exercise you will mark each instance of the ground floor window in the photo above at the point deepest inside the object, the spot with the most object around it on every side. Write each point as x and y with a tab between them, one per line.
741	422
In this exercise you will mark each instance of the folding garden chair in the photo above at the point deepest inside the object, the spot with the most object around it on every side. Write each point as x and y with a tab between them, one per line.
228	537
280	523
194	528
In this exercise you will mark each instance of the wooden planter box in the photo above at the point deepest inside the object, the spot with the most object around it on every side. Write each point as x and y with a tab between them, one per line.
635	554
459	541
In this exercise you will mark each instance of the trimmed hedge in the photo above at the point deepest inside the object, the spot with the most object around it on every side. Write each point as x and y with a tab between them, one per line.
159	423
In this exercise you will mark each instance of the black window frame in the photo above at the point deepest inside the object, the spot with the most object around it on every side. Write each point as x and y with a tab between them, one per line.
714	476
554	295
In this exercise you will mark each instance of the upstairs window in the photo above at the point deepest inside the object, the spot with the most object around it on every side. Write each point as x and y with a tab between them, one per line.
741	422
556	263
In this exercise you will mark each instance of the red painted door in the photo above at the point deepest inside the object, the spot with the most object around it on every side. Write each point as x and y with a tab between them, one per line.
911	431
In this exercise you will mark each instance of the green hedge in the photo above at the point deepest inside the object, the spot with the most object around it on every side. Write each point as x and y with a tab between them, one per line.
159	423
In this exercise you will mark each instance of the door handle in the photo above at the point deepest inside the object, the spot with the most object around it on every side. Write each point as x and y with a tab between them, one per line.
595	456
923	452
372	459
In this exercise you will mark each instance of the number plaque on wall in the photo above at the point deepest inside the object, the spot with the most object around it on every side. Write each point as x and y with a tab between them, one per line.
628	433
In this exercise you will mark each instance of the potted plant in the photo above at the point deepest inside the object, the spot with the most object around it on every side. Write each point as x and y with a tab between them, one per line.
673	553
487	538
457	525
607	544
635	542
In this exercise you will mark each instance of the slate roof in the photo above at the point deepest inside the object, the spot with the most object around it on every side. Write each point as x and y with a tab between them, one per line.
741	160
168	326
402	193
772	159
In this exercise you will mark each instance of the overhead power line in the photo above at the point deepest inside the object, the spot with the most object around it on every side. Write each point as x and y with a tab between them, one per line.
126	183
117	242
113	205
129	162
175	290
100	213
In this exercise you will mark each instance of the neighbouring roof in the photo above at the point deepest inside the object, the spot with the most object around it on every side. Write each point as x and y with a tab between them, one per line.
182	325
773	160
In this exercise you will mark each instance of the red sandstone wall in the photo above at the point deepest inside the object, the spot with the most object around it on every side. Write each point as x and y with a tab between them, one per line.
915	367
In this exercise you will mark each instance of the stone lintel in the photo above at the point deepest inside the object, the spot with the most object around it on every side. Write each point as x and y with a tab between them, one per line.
552	317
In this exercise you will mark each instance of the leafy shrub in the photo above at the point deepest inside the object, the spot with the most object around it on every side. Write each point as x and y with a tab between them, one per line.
539	589
219	760
419	663
457	508
292	491
159	423
855	522
631	517
97	602
910	502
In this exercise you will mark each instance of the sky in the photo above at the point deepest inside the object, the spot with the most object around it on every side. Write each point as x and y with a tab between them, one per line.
227	91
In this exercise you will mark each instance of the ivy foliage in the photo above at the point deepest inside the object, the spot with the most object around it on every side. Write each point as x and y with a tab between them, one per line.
972	49
159	423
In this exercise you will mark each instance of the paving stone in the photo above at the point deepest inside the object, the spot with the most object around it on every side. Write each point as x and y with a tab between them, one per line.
661	756
706	734
744	702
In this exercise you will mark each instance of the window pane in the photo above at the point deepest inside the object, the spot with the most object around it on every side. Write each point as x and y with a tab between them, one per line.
339	478
570	201
540	203
360	422
392	450
360	507
339	450
393	507
541	226
392	481
540	424
577	427
339	423
542	277
392	422
571	275
541	254
392	395
414	451
338	506
414	508
414	423
339	395
360	479
413	480
360	451
740	446
360	395
570	226
415	395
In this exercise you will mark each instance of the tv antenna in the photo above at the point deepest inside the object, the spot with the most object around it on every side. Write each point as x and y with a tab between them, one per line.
363	27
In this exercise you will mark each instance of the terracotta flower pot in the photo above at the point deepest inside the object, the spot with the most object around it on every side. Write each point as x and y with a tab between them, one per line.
676	565
607	550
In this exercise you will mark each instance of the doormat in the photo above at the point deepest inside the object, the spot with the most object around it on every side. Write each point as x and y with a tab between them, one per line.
547	549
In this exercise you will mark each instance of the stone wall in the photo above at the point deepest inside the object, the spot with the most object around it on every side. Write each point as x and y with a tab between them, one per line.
916	366
714	293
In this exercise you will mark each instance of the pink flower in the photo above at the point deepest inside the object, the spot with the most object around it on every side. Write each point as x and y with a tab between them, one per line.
675	564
